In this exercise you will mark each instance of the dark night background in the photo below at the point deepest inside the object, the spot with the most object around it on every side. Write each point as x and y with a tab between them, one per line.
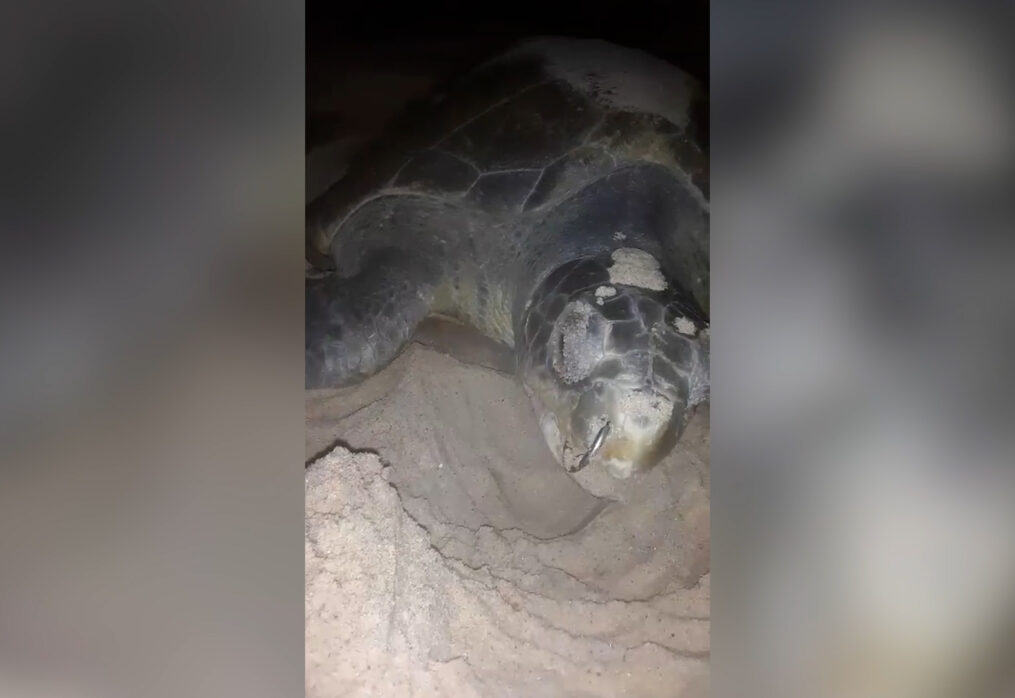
413	47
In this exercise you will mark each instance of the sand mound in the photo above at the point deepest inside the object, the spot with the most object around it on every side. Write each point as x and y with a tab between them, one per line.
455	558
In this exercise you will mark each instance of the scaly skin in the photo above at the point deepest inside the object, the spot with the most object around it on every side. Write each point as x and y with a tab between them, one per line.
594	353
505	204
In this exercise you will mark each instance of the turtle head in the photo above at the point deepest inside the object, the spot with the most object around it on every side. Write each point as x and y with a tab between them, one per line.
613	370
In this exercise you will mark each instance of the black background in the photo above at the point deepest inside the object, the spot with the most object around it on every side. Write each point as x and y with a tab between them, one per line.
450	37
676	31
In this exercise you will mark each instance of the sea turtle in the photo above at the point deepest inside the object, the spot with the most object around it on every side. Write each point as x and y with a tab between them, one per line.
555	198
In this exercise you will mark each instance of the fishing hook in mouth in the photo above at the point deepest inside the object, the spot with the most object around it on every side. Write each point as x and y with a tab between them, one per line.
597	443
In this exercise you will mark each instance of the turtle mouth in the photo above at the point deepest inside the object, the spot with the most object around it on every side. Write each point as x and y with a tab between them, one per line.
628	456
621	457
641	429
620	425
594	448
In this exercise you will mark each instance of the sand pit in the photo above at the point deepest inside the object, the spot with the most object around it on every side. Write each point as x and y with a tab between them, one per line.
447	554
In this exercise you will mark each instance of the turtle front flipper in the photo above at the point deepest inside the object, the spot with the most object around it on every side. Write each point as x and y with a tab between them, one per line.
357	325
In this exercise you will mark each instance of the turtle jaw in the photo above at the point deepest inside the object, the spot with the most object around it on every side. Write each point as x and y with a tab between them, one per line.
642	428
643	424
630	455
622	426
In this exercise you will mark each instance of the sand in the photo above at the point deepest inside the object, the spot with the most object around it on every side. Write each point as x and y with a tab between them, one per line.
447	554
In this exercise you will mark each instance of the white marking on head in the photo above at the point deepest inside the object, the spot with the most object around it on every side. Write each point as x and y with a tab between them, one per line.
685	326
619	236
643	415
576	356
634	267
604	292
699	384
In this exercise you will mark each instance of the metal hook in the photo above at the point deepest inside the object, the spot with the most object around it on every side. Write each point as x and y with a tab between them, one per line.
597	443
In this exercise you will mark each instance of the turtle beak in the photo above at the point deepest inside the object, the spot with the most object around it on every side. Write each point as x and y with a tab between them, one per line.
641	433
626	456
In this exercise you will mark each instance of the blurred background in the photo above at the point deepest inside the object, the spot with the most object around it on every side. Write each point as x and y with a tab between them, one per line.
151	490
863	323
